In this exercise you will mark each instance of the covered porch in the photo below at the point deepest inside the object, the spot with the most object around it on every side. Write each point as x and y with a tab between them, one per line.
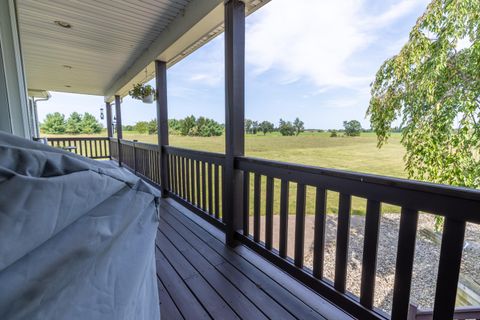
215	258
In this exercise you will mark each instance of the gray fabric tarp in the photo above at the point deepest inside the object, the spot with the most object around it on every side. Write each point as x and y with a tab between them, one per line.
76	237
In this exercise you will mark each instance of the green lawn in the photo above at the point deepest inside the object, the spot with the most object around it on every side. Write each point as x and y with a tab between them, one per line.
319	149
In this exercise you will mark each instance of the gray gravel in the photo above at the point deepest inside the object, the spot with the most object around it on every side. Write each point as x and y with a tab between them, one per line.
427	254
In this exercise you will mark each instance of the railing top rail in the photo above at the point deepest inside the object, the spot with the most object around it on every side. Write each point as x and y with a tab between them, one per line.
76	138
148	146
454	202
213	157
127	142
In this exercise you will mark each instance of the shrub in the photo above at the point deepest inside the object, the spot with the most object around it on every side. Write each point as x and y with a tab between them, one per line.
54	123
286	128
352	128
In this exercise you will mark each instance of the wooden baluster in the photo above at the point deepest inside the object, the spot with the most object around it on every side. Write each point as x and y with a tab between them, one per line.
246	203
300	226
449	268
256	206
179	176
204	187
341	253
284	194
187	179
370	249
210	188
319	231
91	148
174	168
182	177
404	263
192	180
199	191
269	214
217	192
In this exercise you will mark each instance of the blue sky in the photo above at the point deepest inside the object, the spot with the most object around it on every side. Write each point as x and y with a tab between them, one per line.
314	59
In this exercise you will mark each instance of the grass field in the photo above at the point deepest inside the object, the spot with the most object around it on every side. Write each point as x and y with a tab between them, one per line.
319	149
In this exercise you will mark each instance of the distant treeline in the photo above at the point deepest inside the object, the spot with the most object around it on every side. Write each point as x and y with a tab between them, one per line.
189	126
205	127
55	123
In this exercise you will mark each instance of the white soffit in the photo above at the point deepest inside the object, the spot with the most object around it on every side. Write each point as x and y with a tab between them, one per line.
111	44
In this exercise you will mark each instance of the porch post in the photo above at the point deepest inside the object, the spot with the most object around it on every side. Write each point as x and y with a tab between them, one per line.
234	115
118	124
108	108
118	114
162	122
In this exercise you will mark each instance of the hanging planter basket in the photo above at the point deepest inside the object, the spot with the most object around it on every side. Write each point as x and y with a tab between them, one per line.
148	99
146	93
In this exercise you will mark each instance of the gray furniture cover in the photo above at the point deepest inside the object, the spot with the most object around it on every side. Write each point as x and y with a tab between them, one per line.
76	237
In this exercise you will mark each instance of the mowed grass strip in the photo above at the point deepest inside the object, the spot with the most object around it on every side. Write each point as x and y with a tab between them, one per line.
359	154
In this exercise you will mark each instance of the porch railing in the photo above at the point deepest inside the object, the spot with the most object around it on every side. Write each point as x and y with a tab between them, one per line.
456	205
92	147
195	179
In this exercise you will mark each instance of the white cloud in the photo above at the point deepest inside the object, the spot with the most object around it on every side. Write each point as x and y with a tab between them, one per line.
315	39
212	79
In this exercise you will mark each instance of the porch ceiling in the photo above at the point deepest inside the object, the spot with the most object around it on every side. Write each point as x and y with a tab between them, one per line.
111	44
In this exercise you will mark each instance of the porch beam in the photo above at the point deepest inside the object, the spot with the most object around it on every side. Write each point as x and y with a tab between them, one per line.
162	121
108	108
234	115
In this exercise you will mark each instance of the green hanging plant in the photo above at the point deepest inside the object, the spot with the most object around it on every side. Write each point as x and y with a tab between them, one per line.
146	93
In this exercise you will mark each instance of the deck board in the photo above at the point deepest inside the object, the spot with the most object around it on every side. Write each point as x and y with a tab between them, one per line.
202	278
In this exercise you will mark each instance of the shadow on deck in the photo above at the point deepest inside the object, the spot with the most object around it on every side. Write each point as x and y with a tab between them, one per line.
201	278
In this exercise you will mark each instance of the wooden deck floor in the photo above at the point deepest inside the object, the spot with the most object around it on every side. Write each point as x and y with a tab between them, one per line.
201	278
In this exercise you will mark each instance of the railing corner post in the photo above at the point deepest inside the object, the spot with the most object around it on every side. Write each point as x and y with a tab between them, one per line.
162	122
234	116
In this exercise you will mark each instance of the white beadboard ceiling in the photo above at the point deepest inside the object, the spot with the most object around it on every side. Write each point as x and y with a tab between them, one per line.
112	43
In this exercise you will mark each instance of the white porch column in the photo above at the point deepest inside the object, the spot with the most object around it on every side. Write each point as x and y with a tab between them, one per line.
13	88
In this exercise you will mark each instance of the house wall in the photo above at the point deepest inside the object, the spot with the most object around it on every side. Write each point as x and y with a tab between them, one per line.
14	113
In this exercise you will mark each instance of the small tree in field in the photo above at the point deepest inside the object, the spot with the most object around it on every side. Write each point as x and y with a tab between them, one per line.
187	125
299	126
54	123
286	128
141	126
152	126
90	124
74	123
352	128
266	127
248	125
255	127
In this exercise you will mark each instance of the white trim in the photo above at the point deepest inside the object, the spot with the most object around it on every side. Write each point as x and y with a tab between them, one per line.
15	88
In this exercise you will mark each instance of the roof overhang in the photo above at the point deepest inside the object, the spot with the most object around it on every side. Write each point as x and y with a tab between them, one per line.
42	94
112	44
